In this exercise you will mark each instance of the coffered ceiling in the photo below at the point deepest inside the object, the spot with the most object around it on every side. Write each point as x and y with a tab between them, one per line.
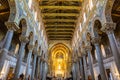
60	17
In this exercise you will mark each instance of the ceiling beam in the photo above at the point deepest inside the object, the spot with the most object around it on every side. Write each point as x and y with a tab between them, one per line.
60	14
3	13
60	32
63	0
59	20
59	29
59	39
60	7
117	15
61	35
59	25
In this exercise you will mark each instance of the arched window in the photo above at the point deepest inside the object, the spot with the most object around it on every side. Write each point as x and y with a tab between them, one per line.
16	48
90	4
103	51
84	15
80	27
96	55
30	3
39	25
35	14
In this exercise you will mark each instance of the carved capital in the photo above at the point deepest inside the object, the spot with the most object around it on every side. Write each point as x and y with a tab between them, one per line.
23	39
83	51
88	48
39	56
30	47
12	26
79	55
95	40
35	52
74	60
108	27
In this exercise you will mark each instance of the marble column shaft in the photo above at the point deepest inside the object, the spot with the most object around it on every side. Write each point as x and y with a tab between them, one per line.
78	70
85	67
108	28
41	69
115	51
5	47
88	49
33	67
91	65
73	71
38	68
96	41
29	57
44	71
19	60
81	70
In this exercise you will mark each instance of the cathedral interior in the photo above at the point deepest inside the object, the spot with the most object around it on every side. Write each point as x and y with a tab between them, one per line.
59	39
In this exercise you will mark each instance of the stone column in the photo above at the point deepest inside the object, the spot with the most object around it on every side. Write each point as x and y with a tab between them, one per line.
33	67
41	69
23	40
38	68
30	47
109	29
5	47
73	71
81	69
88	49
78	70
96	41
7	42
44	70
85	67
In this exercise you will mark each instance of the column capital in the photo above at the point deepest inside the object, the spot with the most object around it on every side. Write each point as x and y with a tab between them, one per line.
23	39
108	27
30	47
12	26
83	51
35	51
88	48
79	56
96	40
74	61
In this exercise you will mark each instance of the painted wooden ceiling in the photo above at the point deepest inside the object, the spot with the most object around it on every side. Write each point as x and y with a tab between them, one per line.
60	17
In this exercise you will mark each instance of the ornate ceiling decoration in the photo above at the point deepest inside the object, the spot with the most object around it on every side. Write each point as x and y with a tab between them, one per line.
60	17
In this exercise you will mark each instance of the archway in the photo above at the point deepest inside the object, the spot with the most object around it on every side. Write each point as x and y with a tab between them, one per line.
59	58
104	42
